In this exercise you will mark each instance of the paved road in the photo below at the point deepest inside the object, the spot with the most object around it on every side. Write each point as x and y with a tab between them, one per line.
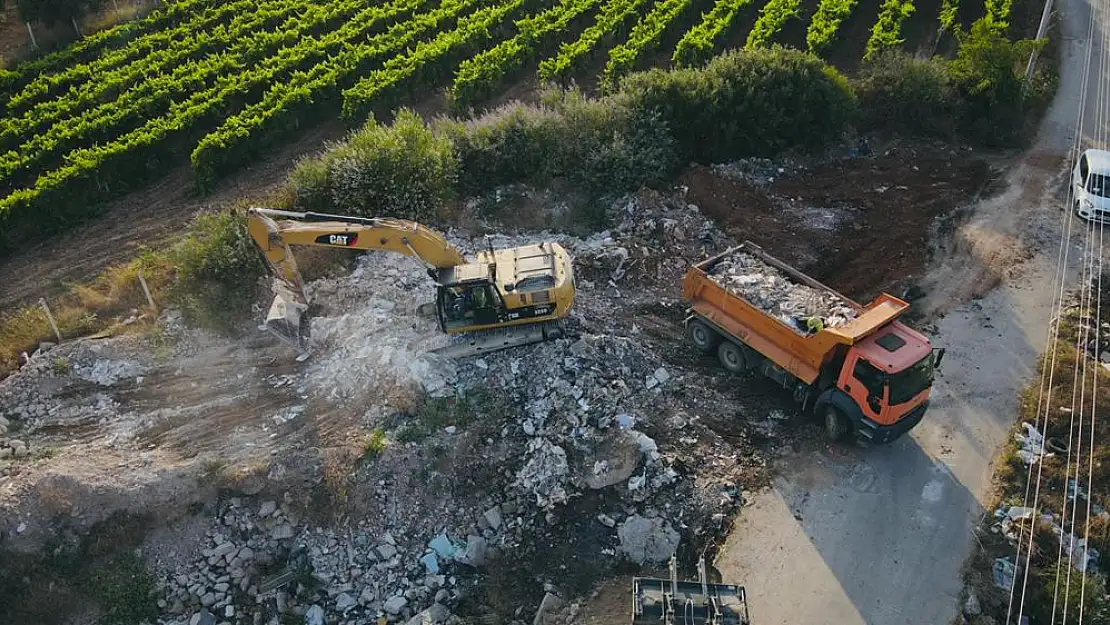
878	536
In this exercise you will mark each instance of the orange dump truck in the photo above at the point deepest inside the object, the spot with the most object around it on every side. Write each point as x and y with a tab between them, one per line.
869	376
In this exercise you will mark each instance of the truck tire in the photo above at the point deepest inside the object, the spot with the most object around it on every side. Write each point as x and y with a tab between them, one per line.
732	357
836	424
702	336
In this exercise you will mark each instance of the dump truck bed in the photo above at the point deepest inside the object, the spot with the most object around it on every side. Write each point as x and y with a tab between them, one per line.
796	351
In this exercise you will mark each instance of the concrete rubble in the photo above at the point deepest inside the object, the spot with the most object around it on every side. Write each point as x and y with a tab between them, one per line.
775	293
582	451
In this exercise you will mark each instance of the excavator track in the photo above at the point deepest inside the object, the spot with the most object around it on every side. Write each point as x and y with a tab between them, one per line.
486	341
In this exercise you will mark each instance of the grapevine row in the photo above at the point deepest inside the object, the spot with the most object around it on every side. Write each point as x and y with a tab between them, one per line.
949	12
280	109
771	18
479	76
46	85
826	21
700	42
888	28
571	55
998	13
645	37
428	56
104	122
124	158
134	75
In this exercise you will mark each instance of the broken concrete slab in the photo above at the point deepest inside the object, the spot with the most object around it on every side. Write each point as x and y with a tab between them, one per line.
645	540
547	612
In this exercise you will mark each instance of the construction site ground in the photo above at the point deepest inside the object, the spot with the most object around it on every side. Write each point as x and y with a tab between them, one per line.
249	483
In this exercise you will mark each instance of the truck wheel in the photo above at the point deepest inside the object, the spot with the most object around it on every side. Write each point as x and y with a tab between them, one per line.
732	357
702	336
836	425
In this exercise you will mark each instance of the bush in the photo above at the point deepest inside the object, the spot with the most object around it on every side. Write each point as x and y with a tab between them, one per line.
401	170
217	269
745	103
989	72
901	93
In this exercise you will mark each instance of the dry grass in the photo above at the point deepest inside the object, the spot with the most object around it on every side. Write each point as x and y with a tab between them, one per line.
117	13
1073	374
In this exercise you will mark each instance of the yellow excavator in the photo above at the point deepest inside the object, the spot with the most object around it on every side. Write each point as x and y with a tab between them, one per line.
502	299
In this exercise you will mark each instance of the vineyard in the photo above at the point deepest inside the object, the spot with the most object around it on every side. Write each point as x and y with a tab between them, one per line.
218	84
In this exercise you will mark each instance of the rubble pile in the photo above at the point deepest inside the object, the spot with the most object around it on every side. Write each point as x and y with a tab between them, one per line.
775	293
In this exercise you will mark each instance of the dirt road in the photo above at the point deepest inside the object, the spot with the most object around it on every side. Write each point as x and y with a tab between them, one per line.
878	536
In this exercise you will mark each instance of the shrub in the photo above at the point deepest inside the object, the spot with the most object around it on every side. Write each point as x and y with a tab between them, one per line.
989	72
401	170
751	102
217	269
901	93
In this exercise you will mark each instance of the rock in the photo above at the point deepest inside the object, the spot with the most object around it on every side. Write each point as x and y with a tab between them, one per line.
222	587
493	517
246	554
5	452
545	615
606	520
476	549
345	602
367	596
195	619
223	549
205	618
267	508
395	604
282	532
431	563
208	600
661	375
314	616
443	547
645	540
386	551
972	607
229	611
442	596
612	461
438	612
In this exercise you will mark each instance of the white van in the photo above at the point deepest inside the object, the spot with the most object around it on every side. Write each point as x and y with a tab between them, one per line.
1091	185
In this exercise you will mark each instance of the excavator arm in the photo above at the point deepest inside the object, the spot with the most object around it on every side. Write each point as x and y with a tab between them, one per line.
274	231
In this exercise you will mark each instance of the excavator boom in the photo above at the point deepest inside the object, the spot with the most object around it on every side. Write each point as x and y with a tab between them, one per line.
274	231
504	298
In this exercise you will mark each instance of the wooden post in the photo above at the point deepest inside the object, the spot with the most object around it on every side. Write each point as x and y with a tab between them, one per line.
76	29
50	318
34	44
146	291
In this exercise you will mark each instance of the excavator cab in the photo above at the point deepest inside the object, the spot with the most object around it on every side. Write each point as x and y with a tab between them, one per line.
468	304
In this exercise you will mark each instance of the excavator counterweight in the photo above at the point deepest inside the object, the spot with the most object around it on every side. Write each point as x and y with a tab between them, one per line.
504	298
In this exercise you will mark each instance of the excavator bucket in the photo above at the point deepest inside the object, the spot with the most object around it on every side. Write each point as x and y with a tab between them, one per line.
288	319
672	602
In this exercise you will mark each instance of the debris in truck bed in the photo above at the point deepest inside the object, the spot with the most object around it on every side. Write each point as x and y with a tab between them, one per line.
773	292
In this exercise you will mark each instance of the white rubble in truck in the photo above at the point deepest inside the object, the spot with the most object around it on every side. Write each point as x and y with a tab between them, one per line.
773	292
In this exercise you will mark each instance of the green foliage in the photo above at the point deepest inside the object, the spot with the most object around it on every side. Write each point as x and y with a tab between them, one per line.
217	269
514	143
401	170
901	93
771	19
429	60
646	36
887	32
989	72
125	590
375	445
746	103
573	55
949	12
478	77
699	44
826	22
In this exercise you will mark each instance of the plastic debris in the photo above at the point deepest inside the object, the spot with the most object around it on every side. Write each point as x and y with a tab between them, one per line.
1004	573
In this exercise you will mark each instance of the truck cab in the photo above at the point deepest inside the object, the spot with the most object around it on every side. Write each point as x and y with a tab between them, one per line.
886	378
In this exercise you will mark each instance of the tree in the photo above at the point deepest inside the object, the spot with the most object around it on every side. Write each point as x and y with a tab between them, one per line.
52	12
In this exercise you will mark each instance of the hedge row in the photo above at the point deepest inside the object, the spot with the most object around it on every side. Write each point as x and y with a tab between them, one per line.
741	104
